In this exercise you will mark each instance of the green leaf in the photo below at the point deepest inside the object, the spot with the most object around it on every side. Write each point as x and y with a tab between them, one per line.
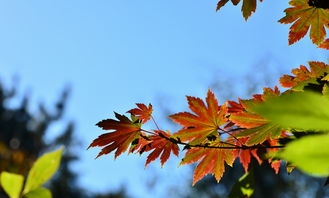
259	134
300	110
39	193
12	184
244	187
43	169
310	154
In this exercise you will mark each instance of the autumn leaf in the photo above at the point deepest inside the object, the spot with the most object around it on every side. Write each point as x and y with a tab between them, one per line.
257	128
204	123
242	114
303	77
143	112
305	15
245	155
260	134
125	132
248	6
324	44
161	145
211	160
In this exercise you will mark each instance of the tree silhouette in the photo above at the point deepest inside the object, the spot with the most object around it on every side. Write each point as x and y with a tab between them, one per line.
22	140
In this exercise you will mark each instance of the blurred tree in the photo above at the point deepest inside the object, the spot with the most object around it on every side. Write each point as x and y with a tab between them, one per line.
22	140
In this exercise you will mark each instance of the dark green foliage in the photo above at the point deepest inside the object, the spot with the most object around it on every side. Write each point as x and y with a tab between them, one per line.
22	141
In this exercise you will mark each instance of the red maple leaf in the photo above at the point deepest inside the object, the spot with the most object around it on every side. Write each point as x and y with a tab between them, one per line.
143	112
245	154
161	144
204	123
125	132
211	160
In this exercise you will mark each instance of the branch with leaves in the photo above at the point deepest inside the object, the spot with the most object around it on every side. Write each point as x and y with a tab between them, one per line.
214	134
273	126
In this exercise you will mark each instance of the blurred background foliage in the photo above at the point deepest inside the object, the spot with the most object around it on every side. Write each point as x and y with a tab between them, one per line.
22	140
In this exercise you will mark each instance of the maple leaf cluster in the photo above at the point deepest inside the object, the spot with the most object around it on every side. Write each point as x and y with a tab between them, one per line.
212	135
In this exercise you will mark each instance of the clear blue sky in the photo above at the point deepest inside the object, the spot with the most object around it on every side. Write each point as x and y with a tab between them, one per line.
117	53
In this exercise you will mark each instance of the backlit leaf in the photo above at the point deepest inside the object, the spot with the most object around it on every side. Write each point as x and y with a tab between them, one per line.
305	16
143	112
300	110
42	170
39	193
125	132
244	188
12	184
205	121
303	76
160	146
258	129
310	154
211	161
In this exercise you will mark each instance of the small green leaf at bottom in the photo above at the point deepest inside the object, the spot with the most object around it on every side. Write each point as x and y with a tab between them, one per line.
244	187
12	184
42	170
39	193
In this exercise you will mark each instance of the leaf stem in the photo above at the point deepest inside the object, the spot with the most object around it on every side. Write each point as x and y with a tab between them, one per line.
155	123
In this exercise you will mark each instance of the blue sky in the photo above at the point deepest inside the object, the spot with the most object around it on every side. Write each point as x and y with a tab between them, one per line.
117	53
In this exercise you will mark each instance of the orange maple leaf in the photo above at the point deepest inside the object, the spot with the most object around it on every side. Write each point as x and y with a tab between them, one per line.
305	15
211	160
302	76
125	132
205	122
143	112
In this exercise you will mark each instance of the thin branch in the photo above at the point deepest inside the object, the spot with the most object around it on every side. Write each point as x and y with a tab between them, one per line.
215	147
226	132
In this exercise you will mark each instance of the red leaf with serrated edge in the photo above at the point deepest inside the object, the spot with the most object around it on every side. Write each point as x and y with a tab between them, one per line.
277	163
303	75
143	112
205	122
125	132
324	44
211	161
246	154
161	145
305	16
